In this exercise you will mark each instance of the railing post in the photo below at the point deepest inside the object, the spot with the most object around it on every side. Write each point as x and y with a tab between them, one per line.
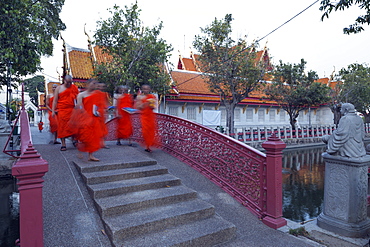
29	170
274	197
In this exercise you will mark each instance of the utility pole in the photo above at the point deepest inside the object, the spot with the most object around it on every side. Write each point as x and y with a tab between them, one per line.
8	91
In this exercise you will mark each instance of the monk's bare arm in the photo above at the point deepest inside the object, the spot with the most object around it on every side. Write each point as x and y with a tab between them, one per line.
80	96
47	102
55	102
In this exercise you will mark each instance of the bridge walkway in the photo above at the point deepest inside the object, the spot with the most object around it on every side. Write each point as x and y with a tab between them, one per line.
70	218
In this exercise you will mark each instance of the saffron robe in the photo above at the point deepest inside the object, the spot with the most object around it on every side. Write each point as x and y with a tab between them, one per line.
53	122
148	120
65	105
124	128
90	134
102	105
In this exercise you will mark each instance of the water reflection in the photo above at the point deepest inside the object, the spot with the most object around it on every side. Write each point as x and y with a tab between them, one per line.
9	212
303	183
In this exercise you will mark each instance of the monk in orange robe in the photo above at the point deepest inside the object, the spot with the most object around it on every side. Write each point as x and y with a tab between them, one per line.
53	122
147	102
90	134
64	102
124	125
102	105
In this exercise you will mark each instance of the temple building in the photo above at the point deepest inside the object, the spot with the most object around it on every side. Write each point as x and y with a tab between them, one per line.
190	97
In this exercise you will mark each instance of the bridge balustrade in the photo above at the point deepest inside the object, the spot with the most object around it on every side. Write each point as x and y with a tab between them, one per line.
250	176
253	134
29	170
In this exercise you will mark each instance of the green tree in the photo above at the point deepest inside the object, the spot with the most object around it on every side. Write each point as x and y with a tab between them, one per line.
229	67
26	32
355	88
294	90
137	52
33	86
328	6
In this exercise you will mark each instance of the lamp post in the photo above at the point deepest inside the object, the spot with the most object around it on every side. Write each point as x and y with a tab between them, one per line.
8	91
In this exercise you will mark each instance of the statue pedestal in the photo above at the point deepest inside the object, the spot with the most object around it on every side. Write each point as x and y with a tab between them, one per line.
345	196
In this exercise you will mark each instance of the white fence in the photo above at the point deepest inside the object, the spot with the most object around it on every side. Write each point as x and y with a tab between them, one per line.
254	134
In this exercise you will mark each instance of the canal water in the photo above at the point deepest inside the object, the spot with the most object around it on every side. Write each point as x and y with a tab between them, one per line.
303	183
9	211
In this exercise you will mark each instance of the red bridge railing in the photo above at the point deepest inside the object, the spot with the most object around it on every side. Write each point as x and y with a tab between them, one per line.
250	176
29	170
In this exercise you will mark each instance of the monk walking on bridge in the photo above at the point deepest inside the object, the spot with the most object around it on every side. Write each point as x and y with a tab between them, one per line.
147	102
87	119
64	102
124	128
53	122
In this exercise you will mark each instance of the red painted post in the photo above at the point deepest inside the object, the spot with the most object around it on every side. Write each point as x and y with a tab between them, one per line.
274	195
29	170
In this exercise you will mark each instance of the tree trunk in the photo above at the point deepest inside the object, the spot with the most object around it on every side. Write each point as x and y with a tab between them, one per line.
335	109
367	118
230	117
293	119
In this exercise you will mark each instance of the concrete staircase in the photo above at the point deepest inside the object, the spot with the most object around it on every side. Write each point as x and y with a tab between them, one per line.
141	204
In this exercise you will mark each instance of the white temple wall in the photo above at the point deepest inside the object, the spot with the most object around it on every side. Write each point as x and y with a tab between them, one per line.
251	116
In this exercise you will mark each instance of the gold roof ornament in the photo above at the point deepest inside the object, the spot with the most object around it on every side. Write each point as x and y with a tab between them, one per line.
91	49
66	69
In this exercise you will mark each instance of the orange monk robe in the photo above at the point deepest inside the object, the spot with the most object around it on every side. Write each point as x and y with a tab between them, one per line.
65	105
90	133
52	120
102	104
148	121
124	128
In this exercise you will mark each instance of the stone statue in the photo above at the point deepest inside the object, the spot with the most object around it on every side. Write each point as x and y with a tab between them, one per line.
347	139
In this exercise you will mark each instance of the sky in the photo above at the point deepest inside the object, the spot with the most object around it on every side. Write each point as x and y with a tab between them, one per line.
321	43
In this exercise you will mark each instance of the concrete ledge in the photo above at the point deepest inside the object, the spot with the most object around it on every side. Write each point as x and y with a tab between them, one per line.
6	166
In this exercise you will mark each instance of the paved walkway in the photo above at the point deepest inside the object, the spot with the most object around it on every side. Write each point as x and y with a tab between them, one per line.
70	218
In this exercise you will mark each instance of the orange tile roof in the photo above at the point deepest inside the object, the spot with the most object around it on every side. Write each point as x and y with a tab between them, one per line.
81	64
190	82
330	83
101	55
191	86
193	63
189	64
216	99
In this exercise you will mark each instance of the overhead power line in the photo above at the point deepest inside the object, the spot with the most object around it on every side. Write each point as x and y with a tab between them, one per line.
263	36
288	21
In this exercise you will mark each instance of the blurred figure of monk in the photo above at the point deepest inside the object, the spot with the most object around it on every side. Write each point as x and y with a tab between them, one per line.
102	105
87	121
124	128
63	104
146	103
53	122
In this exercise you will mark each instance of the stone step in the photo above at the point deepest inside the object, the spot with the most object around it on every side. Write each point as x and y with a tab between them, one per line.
156	218
123	174
207	232
125	203
84	167
132	185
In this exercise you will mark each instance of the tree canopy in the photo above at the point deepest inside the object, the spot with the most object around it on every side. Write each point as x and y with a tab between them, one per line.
26	32
229	67
328	6
138	53
33	86
355	88
296	90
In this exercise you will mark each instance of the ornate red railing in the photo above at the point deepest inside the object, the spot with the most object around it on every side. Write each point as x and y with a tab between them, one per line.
29	170
237	168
